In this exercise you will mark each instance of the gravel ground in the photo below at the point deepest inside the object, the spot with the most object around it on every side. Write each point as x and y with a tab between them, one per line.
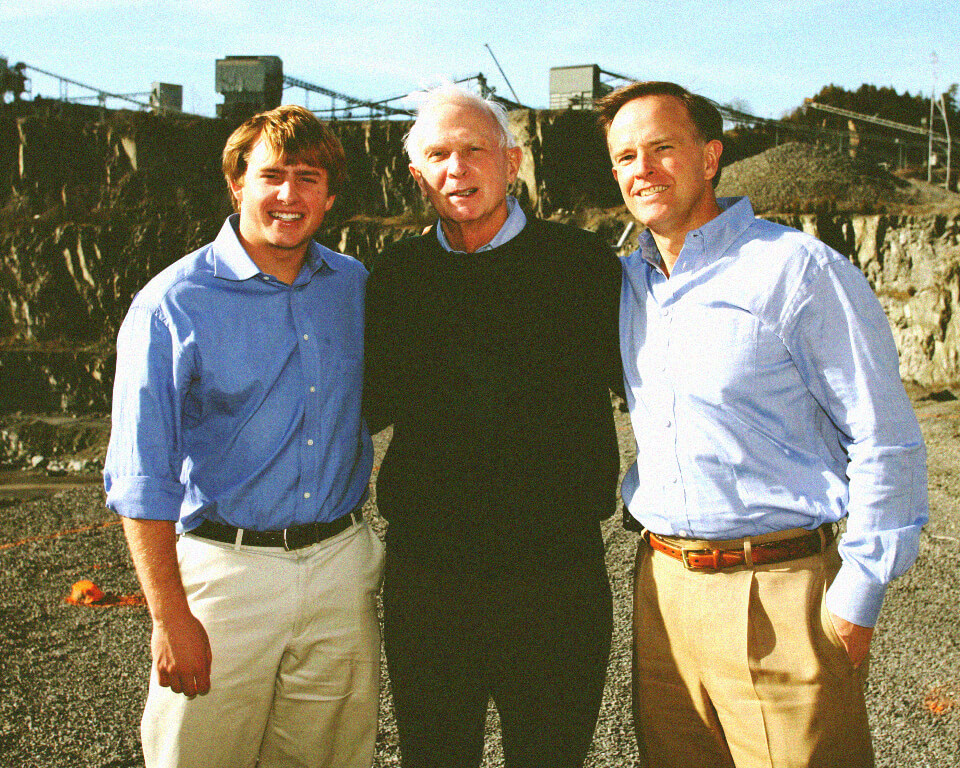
73	678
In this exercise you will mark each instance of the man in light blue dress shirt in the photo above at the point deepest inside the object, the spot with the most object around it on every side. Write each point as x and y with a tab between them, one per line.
239	461
764	391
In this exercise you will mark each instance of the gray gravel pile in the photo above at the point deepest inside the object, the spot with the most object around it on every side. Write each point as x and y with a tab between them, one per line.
803	178
73	679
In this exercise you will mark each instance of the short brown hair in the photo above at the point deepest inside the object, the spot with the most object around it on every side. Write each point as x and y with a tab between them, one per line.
705	117
292	132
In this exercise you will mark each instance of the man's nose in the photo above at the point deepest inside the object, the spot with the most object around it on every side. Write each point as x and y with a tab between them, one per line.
456	166
643	164
286	191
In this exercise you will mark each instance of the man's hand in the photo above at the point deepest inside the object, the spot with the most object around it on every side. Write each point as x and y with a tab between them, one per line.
855	639
180	647
181	655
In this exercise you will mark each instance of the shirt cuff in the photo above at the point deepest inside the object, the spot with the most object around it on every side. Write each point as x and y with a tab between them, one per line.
144	498
854	598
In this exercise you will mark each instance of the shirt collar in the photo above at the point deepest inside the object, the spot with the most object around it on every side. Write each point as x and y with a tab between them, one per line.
516	221
710	240
232	262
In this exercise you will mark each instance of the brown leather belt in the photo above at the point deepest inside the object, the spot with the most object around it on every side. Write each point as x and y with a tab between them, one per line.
733	554
297	537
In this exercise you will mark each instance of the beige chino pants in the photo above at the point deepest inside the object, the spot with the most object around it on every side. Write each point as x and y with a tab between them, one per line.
744	668
296	658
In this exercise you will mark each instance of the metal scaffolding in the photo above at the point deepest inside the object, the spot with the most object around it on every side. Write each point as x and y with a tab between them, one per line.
933	138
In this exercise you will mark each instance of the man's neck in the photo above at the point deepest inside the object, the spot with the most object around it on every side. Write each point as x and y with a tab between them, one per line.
282	264
670	243
470	236
669	249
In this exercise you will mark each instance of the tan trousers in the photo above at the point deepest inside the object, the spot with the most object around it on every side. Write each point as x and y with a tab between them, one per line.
296	658
744	668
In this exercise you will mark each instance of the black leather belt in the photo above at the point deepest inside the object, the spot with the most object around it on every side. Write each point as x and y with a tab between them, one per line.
297	537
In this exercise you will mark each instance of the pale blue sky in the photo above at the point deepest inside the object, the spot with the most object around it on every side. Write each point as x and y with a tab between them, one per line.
769	54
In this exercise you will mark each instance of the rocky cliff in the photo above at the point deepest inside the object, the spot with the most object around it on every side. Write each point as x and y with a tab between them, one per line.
93	203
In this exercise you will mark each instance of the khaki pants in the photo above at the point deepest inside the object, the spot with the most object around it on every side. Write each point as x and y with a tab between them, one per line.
744	668
296	658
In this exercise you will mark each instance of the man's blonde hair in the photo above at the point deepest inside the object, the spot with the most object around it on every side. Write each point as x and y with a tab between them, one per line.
292	133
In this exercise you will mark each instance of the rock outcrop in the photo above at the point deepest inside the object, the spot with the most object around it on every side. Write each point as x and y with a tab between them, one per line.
93	203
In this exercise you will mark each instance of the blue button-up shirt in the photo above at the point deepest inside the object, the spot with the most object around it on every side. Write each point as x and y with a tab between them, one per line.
516	221
764	391
237	397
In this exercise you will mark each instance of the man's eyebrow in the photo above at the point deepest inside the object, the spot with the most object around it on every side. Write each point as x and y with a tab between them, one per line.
301	168
665	138
662	139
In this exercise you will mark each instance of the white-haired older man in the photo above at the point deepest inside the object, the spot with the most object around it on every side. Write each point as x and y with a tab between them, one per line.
491	345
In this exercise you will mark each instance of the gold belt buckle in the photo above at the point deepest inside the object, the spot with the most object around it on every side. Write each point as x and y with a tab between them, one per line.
717	565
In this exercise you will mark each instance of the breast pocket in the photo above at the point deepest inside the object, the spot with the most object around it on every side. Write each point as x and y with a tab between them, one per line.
722	352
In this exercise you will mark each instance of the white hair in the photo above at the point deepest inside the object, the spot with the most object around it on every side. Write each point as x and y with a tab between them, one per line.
450	93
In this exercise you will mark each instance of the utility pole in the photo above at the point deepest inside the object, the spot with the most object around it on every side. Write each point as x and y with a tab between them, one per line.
941	104
934	61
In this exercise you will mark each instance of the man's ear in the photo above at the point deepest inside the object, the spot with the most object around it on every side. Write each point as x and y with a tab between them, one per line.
236	190
711	158
417	177
514	158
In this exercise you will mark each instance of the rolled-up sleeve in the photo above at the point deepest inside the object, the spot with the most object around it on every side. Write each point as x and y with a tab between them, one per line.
841	341
145	456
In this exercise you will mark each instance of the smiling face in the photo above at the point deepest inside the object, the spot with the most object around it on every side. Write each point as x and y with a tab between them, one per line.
462	169
663	166
282	203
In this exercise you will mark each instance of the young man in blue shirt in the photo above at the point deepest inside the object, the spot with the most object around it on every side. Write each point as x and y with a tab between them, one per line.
765	396
239	462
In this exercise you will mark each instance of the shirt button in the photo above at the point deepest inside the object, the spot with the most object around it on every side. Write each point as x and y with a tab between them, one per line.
306	336
313	389
309	442
306	495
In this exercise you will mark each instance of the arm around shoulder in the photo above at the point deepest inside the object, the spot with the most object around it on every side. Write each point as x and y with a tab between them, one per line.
383	330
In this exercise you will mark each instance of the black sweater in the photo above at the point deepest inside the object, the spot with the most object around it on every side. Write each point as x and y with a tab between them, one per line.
494	369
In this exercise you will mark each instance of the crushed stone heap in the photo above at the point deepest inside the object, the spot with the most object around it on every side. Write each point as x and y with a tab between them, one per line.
803	178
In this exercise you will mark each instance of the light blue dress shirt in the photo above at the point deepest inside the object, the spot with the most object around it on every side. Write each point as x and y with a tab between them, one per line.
237	397
764	390
516	221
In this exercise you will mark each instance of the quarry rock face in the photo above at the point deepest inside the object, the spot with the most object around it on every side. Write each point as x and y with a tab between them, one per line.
94	203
